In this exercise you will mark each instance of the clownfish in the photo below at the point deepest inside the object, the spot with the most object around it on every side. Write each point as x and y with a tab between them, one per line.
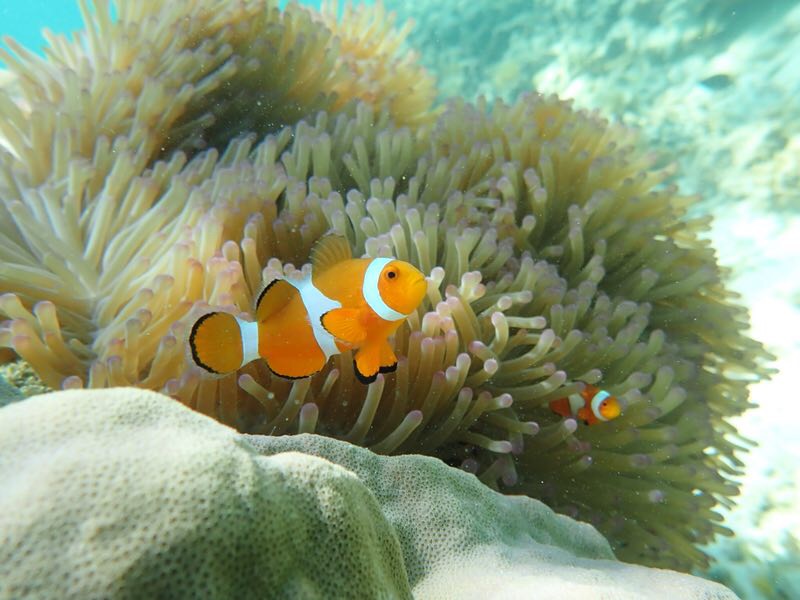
591	406
345	304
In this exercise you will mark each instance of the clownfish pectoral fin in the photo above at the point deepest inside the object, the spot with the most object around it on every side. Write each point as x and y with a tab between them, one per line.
344	324
329	250
585	415
388	360
273	298
560	407
216	343
367	363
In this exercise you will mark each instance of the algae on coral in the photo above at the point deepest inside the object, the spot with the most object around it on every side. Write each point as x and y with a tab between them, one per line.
8	393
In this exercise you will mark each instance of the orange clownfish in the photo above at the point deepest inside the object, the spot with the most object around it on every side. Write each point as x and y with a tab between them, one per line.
591	406
345	304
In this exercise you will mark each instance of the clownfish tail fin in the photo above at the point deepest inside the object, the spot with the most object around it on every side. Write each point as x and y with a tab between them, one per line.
221	343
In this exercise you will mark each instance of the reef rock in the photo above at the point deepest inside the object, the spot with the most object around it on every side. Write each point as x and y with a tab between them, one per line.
8	393
124	492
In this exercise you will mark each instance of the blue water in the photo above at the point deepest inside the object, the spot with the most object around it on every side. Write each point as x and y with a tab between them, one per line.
24	20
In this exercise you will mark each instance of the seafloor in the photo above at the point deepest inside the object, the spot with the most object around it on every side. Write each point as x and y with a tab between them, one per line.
714	86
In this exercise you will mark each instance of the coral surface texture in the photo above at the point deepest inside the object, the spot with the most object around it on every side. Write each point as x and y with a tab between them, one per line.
125	493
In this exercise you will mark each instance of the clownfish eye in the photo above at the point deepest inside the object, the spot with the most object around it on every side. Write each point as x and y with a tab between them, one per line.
391	274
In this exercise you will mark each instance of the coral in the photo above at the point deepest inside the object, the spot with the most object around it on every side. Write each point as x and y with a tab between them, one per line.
779	172
752	574
682	72
555	254
125	493
21	377
135	496
8	393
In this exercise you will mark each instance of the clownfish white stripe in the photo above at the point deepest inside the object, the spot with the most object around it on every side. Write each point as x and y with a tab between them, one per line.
373	295
317	304
576	403
249	333
596	401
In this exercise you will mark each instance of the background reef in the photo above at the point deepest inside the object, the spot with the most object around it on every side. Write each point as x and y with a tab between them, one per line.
719	78
180	156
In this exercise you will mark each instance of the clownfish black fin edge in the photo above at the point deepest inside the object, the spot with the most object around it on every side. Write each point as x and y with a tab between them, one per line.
365	379
193	347
292	377
275	295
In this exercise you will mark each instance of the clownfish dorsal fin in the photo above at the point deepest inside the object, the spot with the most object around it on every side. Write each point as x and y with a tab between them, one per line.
274	297
329	250
343	323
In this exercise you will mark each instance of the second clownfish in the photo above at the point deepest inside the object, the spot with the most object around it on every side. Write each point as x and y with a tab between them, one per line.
345	304
591	406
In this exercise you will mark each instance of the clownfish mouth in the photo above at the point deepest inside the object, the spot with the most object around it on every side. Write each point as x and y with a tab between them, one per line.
420	285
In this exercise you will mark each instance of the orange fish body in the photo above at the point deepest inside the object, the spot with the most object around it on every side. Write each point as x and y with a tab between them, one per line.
347	304
592	406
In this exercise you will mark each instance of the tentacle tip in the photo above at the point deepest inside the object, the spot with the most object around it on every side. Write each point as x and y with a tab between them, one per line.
172	387
309	409
470	465
73	382
532	428
43	304
502	447
415	416
510	479
476	346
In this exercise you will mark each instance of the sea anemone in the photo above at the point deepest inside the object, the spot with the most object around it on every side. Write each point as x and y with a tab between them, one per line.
82	185
380	69
556	257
